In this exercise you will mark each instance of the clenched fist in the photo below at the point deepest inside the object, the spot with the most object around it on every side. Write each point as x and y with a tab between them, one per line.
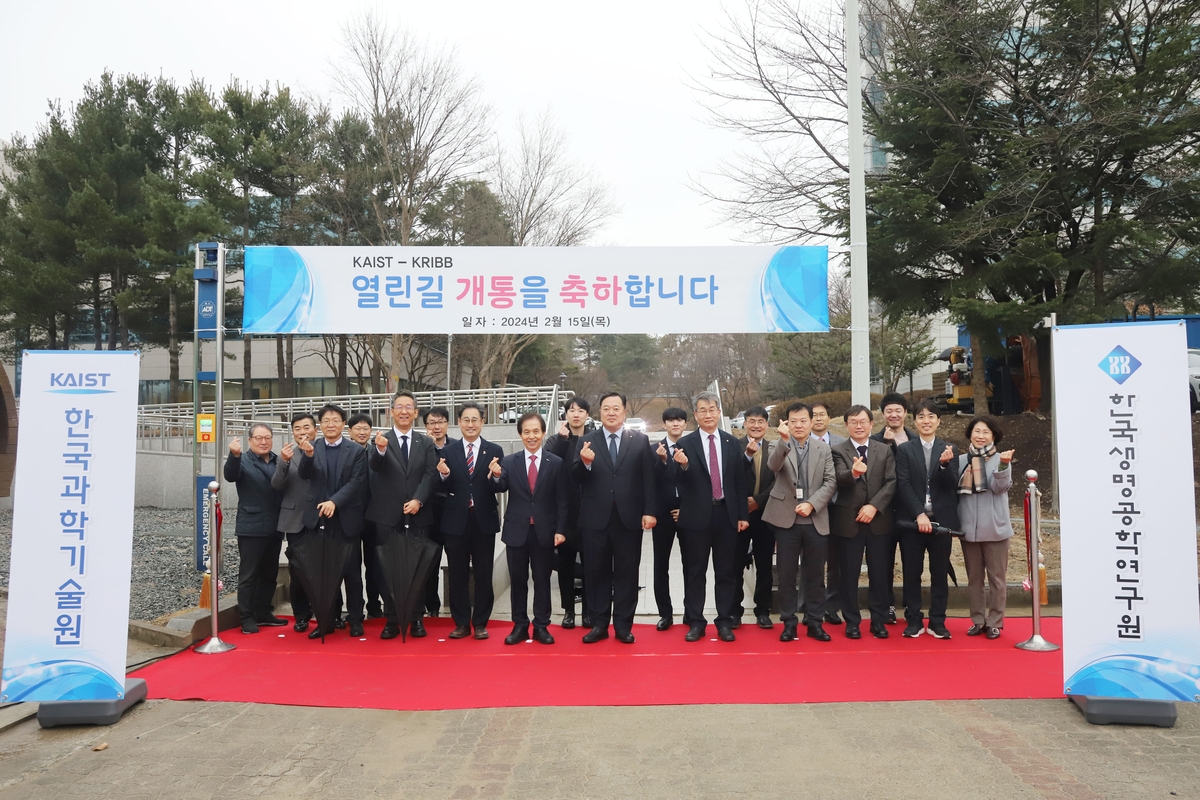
307	447
783	429
681	458
586	454
442	469
495	468
287	451
381	441
859	467
235	447
947	454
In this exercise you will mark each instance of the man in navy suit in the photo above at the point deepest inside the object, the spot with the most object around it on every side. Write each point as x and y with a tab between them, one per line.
927	484
470	522
536	482
708	470
257	530
336	471
614	468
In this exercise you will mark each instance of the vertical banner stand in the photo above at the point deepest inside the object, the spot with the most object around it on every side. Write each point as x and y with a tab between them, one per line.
214	645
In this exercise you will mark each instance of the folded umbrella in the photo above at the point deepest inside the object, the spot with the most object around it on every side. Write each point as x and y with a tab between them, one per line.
407	559
320	556
942	529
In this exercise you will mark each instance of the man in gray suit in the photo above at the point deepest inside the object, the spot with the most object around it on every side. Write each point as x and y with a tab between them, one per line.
833	573
797	513
861	519
291	510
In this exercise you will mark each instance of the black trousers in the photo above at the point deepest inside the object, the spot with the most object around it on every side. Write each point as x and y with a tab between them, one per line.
528	557
891	542
565	555
756	545
913	547
801	549
352	582
433	601
719	539
880	562
611	559
258	566
833	576
376	584
663	535
301	607
471	548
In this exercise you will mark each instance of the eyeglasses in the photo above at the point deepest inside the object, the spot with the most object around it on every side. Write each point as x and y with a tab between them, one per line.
262	438
404	408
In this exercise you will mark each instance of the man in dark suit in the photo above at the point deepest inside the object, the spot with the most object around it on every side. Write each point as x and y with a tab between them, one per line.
360	428
403	479
709	472
860	518
295	491
894	407
336	471
756	544
565	445
536	482
437	423
470	522
615	470
674	420
927	482
257	529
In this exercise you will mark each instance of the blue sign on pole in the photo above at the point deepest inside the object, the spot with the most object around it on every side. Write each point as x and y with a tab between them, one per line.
204	525
206	309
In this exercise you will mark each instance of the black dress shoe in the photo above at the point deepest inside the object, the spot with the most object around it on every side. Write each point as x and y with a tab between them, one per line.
595	635
664	624
315	633
737	623
725	633
461	632
818	633
249	626
389	632
891	617
694	634
975	630
993	633
764	622
852	632
271	622
481	633
519	634
339	623
789	632
418	629
301	626
625	637
542	635
374	613
356	628
568	620
586	620
878	631
832	618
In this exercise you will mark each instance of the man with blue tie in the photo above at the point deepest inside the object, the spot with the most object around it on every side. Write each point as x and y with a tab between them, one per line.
536	482
470	522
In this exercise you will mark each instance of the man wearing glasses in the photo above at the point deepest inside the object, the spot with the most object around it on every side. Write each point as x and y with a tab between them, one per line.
258	536
403	477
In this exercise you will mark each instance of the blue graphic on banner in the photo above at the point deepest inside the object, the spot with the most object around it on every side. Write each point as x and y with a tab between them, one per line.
1119	364
278	290
61	680
795	289
1139	676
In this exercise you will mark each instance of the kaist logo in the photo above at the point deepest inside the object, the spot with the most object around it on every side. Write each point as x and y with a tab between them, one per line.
1119	364
79	383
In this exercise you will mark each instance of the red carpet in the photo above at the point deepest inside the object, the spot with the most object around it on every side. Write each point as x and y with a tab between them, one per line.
659	669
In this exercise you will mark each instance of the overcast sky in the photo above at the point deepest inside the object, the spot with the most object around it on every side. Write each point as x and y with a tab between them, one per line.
614	74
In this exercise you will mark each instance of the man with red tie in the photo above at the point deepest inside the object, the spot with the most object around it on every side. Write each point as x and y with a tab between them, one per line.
537	483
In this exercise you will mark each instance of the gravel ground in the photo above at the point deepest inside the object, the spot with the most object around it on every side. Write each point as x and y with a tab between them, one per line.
164	579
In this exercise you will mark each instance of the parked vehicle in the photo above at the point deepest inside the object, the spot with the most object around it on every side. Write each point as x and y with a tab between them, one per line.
636	424
738	422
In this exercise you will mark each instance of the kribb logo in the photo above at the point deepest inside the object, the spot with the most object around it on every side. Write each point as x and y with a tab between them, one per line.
79	383
1119	364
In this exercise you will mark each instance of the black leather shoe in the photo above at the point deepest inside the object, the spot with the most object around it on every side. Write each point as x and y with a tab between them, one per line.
461	632
818	633
374	613
694	634
315	633
725	633
356	628
595	635
664	623
339	623
975	630
832	618
389	632
625	637
417	630
737	623
852	632
301	626
481	633
764	622
878	631
249	626
993	633
891	617
586	620
568	620
519	634
271	622
789	632
542	635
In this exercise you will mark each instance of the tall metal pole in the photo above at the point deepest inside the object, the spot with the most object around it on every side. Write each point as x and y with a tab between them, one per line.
860	336
1053	420
219	410
214	643
196	363
449	342
1035	642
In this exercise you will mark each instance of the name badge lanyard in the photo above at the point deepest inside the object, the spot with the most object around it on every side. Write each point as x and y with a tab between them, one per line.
801	454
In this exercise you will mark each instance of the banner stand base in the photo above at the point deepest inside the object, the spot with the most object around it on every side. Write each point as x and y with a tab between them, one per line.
91	712
1126	711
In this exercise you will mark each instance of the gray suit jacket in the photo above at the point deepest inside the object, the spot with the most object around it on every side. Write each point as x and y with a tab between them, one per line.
822	483
295	492
876	487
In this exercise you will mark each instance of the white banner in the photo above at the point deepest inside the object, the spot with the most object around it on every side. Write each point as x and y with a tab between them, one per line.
653	290
72	542
1131	618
